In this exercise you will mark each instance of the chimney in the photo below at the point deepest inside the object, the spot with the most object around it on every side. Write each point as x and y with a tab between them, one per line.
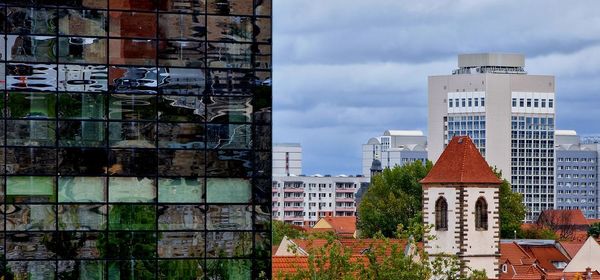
588	273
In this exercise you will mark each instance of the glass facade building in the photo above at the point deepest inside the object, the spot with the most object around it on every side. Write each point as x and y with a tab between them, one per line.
136	139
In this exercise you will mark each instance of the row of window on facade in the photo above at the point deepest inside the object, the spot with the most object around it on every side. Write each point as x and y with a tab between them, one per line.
533	102
466	102
441	214
576	200
576	184
591	160
577	192
576	167
575	176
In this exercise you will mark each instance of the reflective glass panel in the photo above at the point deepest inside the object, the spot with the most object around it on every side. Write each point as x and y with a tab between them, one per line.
74	161
229	217
132	269
181	245
183	6
82	22
181	81
31	105
229	136
81	106
132	24
132	107
230	82
31	20
19	245
263	7
181	53
30	189
132	51
180	190
82	50
82	217
229	163
133	79
81	269
20	217
230	29
132	134
262	30
87	78
182	26
180	269
38	161
31	48
228	244
230	7
131	217
131	189
228	190
229	109
32	269
142	5
138	162
181	163
181	217
92	4
81	134
181	135
176	108
262	57
229	55
31	77
84	245
81	189
238	267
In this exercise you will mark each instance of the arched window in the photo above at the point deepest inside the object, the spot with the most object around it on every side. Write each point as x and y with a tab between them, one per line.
441	214
481	214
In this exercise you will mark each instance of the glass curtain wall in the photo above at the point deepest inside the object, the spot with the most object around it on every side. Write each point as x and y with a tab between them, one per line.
136	139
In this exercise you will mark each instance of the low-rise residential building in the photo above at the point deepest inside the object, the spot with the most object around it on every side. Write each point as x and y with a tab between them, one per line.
303	200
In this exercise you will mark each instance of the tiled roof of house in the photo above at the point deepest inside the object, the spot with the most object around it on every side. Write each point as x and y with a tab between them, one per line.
514	253
461	162
571	247
547	257
563	217
342	225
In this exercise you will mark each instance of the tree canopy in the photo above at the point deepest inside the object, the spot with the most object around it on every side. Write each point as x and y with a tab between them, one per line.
594	230
512	209
392	199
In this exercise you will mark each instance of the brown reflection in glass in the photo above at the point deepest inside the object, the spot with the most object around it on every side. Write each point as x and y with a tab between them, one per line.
181	217
229	109
228	244
229	55
132	51
181	245
82	161
229	217
181	53
230	81
39	161
92	4
82	50
183	6
181	26
82	22
138	162
30	133
146	5
181	135
230	29
263	7
262	30
230	7
228	164
262	216
181	163
29	245
21	217
132	24
31	48
87	78
81	134
262	56
80	245
132	134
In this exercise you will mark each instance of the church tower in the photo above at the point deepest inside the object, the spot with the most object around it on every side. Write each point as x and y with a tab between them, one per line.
460	203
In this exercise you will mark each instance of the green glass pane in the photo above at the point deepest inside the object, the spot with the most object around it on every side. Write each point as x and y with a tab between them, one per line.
228	190
180	269
81	189
31	105
180	190
132	217
228	269
30	189
131	189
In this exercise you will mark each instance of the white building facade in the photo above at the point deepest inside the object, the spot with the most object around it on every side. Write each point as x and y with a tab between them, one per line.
394	147
302	200
287	159
510	116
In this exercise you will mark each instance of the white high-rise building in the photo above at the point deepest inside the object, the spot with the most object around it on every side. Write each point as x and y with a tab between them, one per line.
287	159
394	147
508	114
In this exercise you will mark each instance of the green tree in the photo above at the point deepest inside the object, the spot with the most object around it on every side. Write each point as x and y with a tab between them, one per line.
393	198
281	229
594	230
512	210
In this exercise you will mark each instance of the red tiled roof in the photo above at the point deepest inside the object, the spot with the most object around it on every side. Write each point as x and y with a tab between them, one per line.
571	247
310	245
342	225
571	275
358	246
545	255
285	265
514	254
593	221
563	217
461	162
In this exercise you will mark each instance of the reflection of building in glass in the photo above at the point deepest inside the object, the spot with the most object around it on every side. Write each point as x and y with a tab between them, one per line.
136	139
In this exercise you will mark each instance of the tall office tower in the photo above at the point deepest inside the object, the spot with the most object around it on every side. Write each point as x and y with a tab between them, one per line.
508	114
287	159
136	139
577	173
394	147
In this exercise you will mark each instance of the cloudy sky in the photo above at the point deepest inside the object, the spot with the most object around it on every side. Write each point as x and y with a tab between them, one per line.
347	70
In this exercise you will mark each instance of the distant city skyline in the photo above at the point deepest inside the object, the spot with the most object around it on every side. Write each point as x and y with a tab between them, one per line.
346	72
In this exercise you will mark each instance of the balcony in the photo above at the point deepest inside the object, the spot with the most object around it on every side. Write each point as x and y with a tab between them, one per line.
345	190
344	199
293	218
293	208
293	190
293	199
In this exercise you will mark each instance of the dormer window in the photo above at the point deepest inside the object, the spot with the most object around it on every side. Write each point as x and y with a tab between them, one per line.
441	214
481	214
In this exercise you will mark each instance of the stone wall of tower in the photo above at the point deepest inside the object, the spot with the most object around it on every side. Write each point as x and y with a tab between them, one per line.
445	240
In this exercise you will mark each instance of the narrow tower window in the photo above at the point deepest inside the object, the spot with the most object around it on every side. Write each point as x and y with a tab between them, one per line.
441	214
481	214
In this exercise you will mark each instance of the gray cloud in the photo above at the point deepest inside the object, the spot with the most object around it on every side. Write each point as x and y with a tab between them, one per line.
345	71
